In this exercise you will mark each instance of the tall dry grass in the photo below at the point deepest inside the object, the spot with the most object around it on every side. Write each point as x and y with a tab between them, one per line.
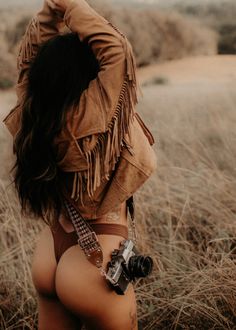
186	217
188	210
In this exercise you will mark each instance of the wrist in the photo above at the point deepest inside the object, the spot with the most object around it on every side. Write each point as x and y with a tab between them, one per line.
71	5
47	16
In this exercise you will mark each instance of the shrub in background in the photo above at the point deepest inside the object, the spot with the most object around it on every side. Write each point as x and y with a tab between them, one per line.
219	16
15	33
154	35
7	70
227	41
157	36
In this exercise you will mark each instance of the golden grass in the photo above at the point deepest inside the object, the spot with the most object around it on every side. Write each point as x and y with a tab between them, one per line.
186	213
186	216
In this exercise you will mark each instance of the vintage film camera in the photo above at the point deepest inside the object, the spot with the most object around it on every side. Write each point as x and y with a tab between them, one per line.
126	265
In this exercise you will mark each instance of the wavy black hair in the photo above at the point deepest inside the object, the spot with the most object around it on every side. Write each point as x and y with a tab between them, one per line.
60	72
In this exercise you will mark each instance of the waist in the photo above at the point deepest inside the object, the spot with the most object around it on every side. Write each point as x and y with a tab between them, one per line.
116	216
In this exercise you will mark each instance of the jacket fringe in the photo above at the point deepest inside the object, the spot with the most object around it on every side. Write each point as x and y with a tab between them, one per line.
103	157
27	51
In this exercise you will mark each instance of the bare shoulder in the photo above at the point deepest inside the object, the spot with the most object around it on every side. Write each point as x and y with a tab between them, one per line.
44	263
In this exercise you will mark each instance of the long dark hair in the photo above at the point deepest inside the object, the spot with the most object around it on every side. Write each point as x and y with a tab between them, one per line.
60	72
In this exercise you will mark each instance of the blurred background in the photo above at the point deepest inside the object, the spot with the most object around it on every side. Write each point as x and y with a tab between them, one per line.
186	213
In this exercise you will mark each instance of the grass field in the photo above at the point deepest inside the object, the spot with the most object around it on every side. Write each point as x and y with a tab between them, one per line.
186	213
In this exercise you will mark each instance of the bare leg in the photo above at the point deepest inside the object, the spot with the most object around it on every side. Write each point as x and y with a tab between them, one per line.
54	316
86	293
116	317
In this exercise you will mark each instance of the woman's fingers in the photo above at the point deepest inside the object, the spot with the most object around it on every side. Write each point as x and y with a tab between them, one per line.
59	6
62	3
53	5
50	4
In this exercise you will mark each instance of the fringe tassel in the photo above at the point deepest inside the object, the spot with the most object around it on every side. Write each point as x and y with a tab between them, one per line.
103	157
78	187
27	51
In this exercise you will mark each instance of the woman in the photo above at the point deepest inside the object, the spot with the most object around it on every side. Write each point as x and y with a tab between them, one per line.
77	137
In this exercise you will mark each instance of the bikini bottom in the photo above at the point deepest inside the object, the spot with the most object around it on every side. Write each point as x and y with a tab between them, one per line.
64	240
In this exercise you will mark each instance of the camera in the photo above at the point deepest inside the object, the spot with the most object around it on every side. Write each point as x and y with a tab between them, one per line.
126	265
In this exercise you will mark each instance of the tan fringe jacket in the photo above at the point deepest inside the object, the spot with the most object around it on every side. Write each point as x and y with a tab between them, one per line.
105	150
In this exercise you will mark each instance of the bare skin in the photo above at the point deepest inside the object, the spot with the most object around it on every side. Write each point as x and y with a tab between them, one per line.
83	296
73	292
59	6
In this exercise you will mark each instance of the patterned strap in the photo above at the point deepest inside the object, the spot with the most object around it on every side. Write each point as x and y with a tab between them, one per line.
131	207
87	238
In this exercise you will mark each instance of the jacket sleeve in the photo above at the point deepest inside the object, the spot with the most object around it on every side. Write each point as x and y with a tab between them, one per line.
43	26
114	54
102	119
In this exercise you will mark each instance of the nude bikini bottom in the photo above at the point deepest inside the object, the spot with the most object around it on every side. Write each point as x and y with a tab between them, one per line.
64	240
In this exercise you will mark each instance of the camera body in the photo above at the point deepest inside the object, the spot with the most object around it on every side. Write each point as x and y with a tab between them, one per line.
126	265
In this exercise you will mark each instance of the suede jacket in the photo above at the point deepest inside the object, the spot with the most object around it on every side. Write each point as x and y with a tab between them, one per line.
105	150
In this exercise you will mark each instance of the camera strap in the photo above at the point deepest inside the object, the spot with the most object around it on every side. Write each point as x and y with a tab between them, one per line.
131	207
87	238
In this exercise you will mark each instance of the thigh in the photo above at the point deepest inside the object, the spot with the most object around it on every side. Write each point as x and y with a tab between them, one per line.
54	316
51	312
86	293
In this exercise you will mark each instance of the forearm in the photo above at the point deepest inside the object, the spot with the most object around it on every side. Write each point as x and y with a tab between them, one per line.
101	121
43	26
93	29
112	50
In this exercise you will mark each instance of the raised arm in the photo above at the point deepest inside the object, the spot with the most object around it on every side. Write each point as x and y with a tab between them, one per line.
101	121
43	26
100	124
117	66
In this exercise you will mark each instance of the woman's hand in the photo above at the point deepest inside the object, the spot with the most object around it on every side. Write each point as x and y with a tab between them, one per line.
59	6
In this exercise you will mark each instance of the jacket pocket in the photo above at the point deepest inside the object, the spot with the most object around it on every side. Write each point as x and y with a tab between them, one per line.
145	129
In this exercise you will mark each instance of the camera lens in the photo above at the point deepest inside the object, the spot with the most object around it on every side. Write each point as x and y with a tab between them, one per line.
140	266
